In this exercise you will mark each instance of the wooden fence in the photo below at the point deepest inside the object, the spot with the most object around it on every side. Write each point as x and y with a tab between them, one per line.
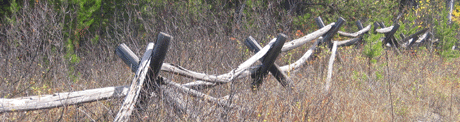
148	68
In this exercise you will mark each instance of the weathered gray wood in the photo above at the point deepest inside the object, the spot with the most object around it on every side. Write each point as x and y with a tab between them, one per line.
406	40
267	61
422	38
173	98
206	80
155	58
376	25
382	25
240	72
384	30
356	34
359	24
195	93
331	64
348	42
61	99
302	40
282	78
192	74
319	22
302	60
128	56
134	90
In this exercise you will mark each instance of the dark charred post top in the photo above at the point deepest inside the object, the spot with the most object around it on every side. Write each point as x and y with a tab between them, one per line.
149	67
333	31
159	53
376	25
128	56
389	36
267	61
156	61
360	27
319	22
252	44
359	24
282	78
382	25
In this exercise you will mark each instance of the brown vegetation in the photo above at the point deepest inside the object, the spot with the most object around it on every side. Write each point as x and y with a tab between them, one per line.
424	87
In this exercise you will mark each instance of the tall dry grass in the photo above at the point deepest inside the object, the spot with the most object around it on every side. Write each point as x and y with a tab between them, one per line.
424	87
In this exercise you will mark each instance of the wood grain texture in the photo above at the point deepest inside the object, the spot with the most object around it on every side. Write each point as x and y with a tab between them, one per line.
61	99
282	78
127	56
267	61
135	87
154	60
355	34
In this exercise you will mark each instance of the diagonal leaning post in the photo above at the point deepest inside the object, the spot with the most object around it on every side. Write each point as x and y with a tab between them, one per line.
282	78
267	61
389	35
151	65
328	36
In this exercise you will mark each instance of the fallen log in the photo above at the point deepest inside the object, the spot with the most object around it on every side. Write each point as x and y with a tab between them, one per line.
286	68
302	60
239	72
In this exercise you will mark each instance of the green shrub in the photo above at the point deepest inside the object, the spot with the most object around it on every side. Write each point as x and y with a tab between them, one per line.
373	46
446	34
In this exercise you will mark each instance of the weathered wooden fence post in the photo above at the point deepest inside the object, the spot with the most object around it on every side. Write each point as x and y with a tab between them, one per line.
128	56
390	35
170	96
414	37
267	61
282	78
154	60
327	38
359	24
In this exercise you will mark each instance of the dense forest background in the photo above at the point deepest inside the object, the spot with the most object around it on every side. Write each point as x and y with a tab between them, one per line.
49	46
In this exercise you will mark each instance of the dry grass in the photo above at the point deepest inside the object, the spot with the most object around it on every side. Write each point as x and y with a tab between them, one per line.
423	87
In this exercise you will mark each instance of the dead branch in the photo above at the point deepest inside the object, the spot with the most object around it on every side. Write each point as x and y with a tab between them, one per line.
331	64
61	99
355	34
